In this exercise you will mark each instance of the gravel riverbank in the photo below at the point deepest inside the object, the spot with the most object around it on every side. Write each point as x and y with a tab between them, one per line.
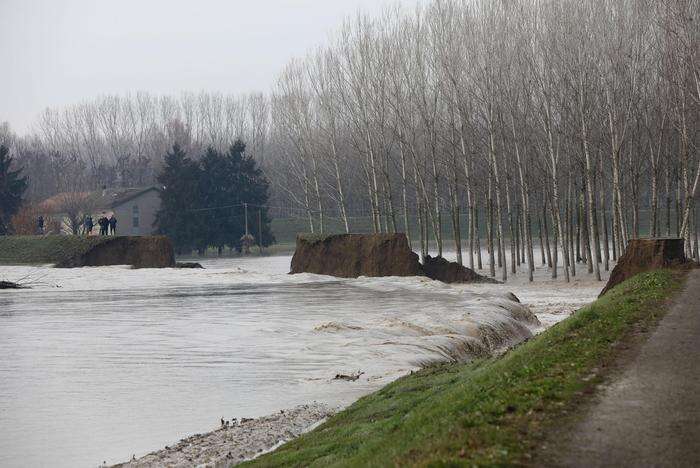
235	441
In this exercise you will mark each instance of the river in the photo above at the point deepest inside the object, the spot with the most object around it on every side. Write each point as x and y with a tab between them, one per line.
100	363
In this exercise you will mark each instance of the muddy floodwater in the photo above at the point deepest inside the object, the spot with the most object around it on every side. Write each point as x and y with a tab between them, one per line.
99	364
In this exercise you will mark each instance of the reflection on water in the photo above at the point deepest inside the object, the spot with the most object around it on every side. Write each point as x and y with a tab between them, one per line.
102	363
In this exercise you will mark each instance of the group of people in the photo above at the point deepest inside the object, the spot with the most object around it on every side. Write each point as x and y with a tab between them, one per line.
108	226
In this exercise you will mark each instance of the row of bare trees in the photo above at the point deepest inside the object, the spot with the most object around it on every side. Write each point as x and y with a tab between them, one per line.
575	119
572	124
121	140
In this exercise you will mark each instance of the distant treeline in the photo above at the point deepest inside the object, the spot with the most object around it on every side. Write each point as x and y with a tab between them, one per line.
572	115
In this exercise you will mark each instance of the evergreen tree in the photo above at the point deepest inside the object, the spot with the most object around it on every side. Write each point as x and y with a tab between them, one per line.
229	182
218	192
253	190
176	218
12	187
203	204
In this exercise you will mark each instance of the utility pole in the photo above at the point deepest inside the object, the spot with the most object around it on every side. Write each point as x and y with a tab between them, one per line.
260	229
245	206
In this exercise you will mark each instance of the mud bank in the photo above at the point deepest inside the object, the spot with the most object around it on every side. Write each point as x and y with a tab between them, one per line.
79	251
438	268
139	252
236	441
644	255
373	255
353	255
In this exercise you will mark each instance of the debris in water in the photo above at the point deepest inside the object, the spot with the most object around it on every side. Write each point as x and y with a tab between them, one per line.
188	265
348	377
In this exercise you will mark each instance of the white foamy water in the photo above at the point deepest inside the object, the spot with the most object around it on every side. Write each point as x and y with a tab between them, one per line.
97	364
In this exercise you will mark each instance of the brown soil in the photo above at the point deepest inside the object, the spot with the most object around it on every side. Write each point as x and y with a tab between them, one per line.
644	255
140	252
353	255
188	265
438	268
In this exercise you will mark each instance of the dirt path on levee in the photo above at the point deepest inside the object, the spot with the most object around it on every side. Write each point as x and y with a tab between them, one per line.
649	414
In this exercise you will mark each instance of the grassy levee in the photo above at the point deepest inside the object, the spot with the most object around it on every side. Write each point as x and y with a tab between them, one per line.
44	249
491	412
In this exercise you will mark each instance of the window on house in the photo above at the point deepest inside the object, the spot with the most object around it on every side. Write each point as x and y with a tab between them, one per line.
135	216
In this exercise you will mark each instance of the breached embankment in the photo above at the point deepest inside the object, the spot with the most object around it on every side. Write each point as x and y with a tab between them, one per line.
353	255
644	255
373	255
439	269
79	251
496	412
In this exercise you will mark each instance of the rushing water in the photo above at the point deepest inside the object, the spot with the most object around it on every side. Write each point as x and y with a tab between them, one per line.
97	364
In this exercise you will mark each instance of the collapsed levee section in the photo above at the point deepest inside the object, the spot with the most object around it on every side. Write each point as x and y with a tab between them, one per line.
484	334
438	268
443	324
373	255
354	255
644	255
137	251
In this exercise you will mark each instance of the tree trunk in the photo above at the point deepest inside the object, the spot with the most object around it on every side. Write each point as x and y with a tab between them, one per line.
454	208
696	254
437	225
550	262
516	229
539	226
679	205
524	196
421	218
477	238
489	231
668	198
404	196
499	213
592	214
569	233
603	205
389	197
514	256
307	202
466	161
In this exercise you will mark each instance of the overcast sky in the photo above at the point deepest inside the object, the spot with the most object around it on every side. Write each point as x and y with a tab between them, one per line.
58	52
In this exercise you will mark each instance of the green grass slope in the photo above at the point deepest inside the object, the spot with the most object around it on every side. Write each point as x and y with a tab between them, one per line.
44	249
491	412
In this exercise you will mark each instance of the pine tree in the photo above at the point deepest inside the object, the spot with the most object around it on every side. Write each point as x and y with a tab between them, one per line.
230	181
176	218
12	187
253	190
203	203
218	192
